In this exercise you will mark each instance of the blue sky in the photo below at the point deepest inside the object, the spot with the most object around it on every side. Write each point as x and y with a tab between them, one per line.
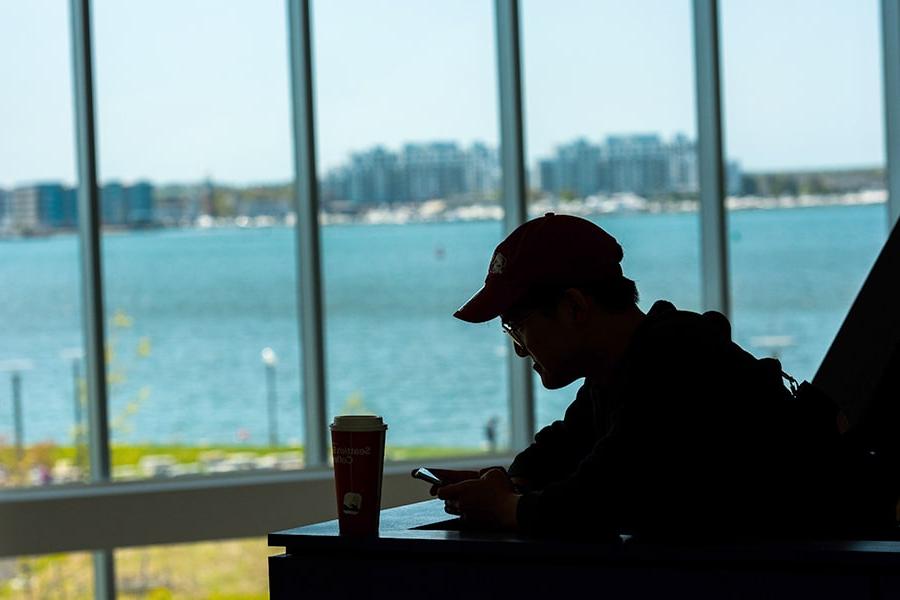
190	89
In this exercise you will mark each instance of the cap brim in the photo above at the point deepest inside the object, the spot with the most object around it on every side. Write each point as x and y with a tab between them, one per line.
488	303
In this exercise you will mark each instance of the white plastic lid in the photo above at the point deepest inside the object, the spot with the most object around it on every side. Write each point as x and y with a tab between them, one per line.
358	423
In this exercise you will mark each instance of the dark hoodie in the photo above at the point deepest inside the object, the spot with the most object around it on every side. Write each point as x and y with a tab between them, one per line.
687	439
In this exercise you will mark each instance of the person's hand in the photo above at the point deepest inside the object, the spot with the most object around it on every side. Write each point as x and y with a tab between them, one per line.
489	500
449	476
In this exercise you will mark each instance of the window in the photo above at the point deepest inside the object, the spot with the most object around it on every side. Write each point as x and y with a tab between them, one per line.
409	176
47	576
230	568
803	115
194	138
609	94
42	402
198	246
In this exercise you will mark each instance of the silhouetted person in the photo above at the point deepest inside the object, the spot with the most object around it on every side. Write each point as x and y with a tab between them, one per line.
675	430
490	433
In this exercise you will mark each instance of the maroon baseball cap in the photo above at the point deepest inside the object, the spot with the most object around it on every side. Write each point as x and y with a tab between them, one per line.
550	250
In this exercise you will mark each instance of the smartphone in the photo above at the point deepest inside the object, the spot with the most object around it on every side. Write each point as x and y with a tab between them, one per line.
426	475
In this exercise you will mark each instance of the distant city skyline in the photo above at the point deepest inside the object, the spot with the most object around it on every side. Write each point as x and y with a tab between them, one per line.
639	163
433	179
205	95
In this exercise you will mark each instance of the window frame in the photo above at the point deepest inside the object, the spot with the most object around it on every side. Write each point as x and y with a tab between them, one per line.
190	509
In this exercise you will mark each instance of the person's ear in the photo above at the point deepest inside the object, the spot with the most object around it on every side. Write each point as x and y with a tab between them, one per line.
575	306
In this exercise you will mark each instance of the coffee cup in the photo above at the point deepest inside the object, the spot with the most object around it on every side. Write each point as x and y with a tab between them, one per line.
357	447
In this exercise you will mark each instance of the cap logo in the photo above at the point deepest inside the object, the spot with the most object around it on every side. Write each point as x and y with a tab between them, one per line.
497	264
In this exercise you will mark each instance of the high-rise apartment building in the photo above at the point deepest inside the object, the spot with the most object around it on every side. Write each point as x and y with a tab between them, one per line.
374	177
578	169
435	170
641	164
139	199
482	169
636	163
682	165
113	204
419	172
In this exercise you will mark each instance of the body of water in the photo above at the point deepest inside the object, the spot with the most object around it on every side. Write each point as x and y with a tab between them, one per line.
189	312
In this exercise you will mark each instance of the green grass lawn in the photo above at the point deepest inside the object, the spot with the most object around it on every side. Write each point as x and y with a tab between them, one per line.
125	455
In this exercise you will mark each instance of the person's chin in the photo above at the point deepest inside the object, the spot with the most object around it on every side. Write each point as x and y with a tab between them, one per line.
549	381
552	385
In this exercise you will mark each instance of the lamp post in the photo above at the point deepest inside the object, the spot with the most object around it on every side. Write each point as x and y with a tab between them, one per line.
17	413
75	355
15	368
270	359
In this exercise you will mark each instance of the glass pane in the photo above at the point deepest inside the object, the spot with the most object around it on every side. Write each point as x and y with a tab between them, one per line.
198	244
804	119
408	158
609	93
48	576
41	381
222	569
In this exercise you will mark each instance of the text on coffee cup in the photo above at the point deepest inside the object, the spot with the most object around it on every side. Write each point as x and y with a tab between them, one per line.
344	455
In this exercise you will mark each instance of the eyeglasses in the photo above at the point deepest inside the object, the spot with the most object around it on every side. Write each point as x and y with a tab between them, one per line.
514	328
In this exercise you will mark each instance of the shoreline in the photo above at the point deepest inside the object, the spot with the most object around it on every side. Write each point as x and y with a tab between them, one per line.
441	211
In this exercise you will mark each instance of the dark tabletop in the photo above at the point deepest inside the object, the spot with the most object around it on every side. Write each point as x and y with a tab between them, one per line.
424	528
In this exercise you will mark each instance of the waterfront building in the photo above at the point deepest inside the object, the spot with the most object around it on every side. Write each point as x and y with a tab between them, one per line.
435	170
734	178
262	203
127	204
178	204
23	210
577	170
113	204
334	186
482	170
419	172
636	164
40	207
682	165
52	205
640	164
375	177
24	214
139	204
